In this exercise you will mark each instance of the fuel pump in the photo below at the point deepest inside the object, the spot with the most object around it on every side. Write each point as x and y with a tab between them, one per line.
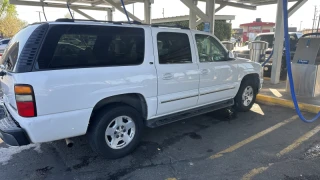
303	53
306	63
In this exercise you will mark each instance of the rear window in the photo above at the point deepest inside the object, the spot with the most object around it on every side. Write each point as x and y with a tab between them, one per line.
80	46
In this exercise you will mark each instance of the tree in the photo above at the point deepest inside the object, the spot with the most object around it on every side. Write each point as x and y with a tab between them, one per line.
7	9
10	24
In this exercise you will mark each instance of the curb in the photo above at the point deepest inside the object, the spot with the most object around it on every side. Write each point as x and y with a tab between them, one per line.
264	99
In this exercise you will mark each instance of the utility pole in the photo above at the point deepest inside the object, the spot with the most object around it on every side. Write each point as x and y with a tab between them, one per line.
318	24
39	15
163	12
133	8
314	18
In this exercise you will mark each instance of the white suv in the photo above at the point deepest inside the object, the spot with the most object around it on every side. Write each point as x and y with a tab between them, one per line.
109	80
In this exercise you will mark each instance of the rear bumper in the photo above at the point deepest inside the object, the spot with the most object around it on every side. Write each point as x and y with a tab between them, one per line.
52	127
10	131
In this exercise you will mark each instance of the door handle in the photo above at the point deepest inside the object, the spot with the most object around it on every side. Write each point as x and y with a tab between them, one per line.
167	76
204	71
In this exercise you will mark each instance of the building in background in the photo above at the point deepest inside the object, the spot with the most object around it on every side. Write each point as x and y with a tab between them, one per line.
290	29
222	27
250	30
306	31
293	29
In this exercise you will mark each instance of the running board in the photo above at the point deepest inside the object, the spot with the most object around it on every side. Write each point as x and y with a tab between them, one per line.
189	113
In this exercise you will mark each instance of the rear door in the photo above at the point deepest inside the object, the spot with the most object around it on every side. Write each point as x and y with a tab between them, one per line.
177	70
9	60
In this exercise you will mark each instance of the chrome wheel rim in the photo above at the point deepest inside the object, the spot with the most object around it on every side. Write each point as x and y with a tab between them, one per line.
120	132
247	96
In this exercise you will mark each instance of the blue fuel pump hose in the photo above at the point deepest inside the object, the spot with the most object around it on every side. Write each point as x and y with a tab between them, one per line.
287	45
270	56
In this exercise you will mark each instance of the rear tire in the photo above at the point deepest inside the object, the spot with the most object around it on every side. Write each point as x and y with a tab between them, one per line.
115	131
246	95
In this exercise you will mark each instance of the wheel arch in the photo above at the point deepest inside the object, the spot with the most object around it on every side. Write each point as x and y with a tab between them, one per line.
254	77
134	100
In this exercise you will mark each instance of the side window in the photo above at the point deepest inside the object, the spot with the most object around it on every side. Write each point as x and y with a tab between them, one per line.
209	49
77	46
174	48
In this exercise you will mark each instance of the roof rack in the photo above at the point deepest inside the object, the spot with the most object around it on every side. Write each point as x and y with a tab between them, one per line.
121	22
169	26
114	22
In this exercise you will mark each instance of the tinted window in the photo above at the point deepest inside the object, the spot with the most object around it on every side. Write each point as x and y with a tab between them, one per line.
173	48
70	46
209	49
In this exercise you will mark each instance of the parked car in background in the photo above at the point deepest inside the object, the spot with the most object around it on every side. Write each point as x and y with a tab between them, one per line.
269	38
116	79
3	45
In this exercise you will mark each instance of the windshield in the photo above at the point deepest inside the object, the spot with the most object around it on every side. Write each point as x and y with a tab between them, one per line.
267	38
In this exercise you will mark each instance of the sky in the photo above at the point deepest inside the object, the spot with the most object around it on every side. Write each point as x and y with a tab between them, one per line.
176	8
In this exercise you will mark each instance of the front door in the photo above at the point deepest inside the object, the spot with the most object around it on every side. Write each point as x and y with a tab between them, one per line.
218	74
177	70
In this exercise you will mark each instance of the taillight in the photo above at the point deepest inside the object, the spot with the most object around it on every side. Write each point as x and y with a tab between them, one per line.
26	103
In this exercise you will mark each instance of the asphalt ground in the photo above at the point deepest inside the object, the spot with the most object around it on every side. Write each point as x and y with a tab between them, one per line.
269	142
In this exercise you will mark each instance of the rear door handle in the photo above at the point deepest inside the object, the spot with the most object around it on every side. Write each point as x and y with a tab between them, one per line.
204	71
167	76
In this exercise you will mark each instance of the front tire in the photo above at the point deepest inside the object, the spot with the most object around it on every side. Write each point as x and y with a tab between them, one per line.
115	131
246	95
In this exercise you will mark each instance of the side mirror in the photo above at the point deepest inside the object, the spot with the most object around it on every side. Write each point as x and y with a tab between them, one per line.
235	54
230	55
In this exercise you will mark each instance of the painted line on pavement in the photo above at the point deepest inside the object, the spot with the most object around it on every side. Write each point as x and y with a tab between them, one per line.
255	172
254	137
299	141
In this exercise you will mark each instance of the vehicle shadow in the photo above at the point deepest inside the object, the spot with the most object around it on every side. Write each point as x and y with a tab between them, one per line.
162	146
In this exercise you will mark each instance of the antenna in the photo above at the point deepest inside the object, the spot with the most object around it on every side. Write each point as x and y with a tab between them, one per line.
69	10
124	8
44	14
